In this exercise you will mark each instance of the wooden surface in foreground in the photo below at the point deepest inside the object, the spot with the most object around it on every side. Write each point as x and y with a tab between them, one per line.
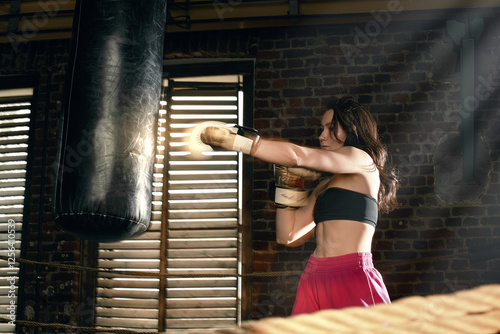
474	311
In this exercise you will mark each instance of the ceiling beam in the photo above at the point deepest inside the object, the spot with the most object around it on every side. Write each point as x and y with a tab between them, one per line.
37	20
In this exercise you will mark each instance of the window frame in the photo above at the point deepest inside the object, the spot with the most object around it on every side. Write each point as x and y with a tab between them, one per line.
30	81
244	67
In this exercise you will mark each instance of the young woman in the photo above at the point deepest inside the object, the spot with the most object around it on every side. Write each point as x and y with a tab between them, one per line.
342	210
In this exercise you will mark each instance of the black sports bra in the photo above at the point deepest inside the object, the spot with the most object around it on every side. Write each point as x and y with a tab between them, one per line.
343	204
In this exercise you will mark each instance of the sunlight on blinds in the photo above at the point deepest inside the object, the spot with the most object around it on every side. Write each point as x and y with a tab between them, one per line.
203	217
15	114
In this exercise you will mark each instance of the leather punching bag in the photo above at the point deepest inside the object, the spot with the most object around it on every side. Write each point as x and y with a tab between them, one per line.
107	147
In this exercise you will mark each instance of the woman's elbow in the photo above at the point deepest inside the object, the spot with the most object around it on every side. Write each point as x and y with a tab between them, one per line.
288	243
282	241
292	156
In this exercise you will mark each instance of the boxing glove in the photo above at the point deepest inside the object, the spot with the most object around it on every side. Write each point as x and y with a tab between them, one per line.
291	184
233	138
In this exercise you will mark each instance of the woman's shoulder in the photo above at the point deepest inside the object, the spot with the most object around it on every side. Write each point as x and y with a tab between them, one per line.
355	151
357	156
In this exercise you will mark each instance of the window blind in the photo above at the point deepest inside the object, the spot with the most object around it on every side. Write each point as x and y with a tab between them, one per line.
15	115
195	229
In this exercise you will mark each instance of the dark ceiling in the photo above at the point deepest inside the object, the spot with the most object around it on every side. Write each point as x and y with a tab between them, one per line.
22	21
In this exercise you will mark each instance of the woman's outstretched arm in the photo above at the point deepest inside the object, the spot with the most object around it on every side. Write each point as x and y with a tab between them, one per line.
345	160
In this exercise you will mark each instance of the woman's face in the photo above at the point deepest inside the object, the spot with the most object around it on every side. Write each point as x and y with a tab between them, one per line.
327	138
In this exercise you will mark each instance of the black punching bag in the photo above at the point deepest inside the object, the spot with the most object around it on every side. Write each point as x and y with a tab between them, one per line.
107	147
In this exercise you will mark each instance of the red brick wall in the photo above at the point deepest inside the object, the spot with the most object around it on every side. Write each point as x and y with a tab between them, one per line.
407	74
46	294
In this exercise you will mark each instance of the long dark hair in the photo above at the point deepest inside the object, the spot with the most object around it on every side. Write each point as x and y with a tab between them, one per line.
361	130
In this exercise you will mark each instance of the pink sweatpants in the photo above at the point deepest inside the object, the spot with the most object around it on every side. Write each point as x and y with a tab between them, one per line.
337	282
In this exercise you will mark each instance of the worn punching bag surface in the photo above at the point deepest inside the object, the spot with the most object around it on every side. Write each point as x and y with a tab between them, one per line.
107	146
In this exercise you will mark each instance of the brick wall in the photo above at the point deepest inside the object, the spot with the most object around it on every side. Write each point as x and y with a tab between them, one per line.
407	74
47	294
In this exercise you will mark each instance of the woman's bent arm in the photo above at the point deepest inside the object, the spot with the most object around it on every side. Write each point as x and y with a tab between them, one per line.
290	231
296	226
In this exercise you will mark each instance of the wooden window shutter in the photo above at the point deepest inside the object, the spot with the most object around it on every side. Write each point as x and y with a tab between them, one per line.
195	229
15	115
203	215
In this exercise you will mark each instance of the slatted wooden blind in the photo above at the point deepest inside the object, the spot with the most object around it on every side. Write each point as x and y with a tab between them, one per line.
195	225
15	115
